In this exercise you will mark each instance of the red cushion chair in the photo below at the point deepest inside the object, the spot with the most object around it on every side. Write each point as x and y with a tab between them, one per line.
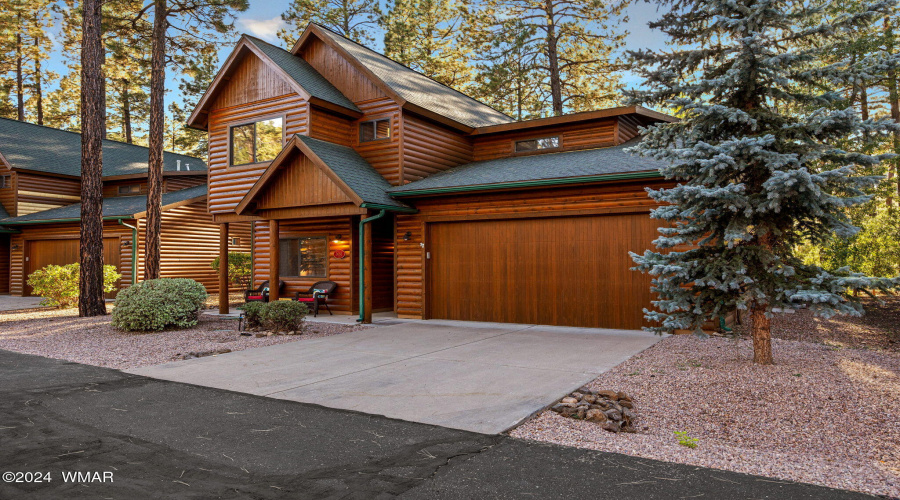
317	295
261	294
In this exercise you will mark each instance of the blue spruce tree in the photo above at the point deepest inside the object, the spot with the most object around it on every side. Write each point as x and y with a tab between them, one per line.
754	159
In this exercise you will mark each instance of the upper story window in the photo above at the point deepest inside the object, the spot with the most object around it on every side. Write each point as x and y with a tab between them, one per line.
375	130
130	189
5	181
537	144
256	142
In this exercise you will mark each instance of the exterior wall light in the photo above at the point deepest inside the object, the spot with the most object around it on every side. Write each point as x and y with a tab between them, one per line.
407	236
338	238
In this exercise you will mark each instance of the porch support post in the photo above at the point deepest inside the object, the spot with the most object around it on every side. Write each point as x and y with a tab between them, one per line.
367	270
223	268
274	259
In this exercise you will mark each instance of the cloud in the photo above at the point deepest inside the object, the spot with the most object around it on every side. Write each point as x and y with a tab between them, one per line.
267	29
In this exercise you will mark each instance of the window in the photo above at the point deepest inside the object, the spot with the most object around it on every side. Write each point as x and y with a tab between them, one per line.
5	181
537	144
303	257
375	130
256	142
130	189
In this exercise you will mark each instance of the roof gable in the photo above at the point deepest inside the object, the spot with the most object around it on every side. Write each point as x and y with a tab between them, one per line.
36	148
347	172
296	74
411	89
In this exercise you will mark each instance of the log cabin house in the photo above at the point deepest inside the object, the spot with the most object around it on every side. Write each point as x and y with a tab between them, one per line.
418	199
40	172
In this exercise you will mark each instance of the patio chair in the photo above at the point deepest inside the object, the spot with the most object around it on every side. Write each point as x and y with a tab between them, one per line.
317	295
261	294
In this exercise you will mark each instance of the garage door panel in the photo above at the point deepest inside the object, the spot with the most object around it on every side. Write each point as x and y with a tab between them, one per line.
556	271
60	252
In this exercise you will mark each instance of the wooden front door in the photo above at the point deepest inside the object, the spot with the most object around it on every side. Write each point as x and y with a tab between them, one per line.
41	253
553	271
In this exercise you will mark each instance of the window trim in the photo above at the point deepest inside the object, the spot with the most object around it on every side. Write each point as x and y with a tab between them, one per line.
375	120
120	186
254	122
558	146
6	181
303	236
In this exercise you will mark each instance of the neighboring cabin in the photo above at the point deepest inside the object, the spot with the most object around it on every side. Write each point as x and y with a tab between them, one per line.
40	210
481	217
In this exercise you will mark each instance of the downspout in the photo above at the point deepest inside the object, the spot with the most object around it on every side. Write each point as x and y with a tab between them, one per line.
134	245
362	263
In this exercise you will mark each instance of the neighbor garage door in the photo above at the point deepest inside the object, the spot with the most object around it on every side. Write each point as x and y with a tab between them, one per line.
41	253
553	271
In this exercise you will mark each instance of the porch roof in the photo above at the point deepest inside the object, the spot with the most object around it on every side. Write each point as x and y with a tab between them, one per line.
119	207
349	171
570	167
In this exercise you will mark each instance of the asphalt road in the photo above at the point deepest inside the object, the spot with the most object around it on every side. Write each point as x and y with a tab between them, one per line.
158	439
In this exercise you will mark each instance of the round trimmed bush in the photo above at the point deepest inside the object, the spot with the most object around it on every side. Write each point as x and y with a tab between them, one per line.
284	315
156	305
253	314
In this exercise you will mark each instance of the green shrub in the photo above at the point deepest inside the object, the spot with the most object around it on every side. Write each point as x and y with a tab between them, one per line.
685	440
284	315
240	267
155	305
253	314
58	285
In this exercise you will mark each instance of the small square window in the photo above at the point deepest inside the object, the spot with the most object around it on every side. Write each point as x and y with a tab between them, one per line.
5	181
303	257
130	189
375	130
537	144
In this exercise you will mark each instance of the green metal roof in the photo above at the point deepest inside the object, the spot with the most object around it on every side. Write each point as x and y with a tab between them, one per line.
538	169
113	208
305	75
420	90
44	149
356	172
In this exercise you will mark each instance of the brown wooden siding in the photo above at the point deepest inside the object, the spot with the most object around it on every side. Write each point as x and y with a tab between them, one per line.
252	80
179	182
383	265
8	194
38	192
429	148
4	264
300	183
383	155
352	82
340	271
67	231
228	185
330	127
190	243
563	202
595	134
111	188
628	128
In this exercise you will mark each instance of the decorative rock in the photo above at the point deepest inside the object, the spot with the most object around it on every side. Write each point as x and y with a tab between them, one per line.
260	334
614	410
595	416
569	400
612	427
623	397
626	404
613	414
589	398
611	395
577	395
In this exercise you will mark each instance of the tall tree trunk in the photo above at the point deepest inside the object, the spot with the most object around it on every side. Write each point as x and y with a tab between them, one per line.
895	113
20	77
126	112
762	336
553	59
39	92
93	122
157	136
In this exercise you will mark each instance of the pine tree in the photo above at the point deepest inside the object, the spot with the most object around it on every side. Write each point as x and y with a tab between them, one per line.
571	46
24	46
754	181
426	36
196	79
355	19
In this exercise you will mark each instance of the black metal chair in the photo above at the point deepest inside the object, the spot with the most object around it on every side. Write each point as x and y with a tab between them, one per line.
317	295
261	294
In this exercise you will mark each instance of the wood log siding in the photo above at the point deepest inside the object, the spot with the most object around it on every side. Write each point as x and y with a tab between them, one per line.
383	265
628	128
340	271
252	80
179	182
8	194
4	263
300	183
352	82
35	193
383	155
429	148
594	134
330	127
228	185
563	202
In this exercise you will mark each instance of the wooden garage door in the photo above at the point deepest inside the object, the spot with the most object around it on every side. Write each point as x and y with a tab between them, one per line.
554	271
41	253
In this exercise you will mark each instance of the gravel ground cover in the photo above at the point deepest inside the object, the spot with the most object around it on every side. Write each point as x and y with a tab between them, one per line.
62	334
822	414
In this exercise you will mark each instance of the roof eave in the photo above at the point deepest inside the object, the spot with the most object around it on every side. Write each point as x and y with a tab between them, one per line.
61	221
503	186
574	118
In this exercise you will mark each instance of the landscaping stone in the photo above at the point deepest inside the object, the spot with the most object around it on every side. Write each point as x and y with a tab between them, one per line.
612	409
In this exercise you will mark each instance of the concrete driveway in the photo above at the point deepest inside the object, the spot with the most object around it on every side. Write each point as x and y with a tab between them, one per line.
482	377
10	303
